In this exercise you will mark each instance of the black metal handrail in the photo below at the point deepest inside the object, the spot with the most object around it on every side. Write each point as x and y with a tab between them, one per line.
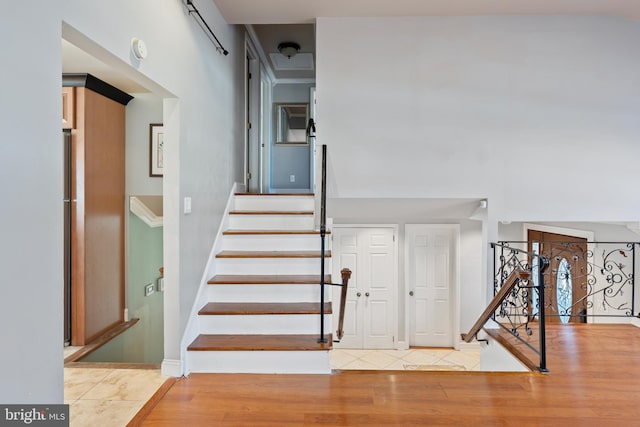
323	234
345	272
191	8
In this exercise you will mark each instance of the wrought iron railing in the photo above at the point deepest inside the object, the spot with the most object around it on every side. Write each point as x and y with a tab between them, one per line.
571	282
518	310
587	281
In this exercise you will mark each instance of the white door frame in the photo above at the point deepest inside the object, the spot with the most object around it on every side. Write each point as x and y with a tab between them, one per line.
455	291
253	151
335	296
312	141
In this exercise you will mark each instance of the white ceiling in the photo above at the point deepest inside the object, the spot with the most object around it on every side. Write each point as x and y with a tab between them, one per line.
270	36
301	11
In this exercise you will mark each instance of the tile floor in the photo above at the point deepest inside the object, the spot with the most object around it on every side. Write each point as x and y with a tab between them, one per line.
107	397
412	359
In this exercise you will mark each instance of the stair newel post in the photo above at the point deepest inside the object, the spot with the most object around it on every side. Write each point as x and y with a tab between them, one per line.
323	233
544	264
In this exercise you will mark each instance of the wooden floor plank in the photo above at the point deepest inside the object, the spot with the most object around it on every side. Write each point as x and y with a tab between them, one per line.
593	381
248	308
259	343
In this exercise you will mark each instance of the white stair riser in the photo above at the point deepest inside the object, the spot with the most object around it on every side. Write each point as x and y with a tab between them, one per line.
270	203
263	324
260	362
270	266
265	293
271	242
271	222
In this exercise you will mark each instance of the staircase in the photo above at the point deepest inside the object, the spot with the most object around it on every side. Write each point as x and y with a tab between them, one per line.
263	309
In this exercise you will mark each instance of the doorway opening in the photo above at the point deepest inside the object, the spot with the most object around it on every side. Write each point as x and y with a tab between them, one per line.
273	164
134	331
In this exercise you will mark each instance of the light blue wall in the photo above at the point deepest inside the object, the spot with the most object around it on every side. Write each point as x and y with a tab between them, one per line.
287	160
142	343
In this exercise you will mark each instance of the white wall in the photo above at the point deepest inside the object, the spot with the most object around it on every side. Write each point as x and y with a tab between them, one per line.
204	145
142	110
400	212
31	253
538	115
475	106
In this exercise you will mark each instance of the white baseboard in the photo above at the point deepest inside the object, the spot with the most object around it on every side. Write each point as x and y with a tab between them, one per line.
172	368
402	345
469	346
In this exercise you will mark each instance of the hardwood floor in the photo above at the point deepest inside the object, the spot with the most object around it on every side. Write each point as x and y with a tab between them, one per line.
594	380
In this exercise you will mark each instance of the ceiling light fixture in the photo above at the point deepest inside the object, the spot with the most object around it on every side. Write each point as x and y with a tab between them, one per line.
289	49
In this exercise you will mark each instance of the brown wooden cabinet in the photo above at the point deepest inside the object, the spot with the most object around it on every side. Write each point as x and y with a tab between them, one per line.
97	178
68	107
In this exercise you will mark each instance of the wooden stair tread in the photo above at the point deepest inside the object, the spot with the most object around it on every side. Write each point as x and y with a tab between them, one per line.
259	343
275	194
267	232
256	212
239	279
246	308
271	254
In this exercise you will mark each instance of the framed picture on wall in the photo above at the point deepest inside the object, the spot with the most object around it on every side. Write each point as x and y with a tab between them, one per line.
156	149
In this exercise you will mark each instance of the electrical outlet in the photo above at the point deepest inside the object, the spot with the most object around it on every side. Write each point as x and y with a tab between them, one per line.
149	289
292	178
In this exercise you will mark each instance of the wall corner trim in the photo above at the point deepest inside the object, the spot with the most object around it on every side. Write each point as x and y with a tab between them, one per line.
143	212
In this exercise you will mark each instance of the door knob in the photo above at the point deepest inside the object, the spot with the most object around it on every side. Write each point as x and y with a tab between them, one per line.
366	294
358	294
410	293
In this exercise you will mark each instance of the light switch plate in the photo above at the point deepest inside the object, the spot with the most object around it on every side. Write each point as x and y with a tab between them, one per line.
149	289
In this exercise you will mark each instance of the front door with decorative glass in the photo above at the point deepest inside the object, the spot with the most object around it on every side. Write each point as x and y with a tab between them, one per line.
566	279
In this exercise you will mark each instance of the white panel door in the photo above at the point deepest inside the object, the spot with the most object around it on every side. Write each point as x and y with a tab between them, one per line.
345	254
430	276
371	301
